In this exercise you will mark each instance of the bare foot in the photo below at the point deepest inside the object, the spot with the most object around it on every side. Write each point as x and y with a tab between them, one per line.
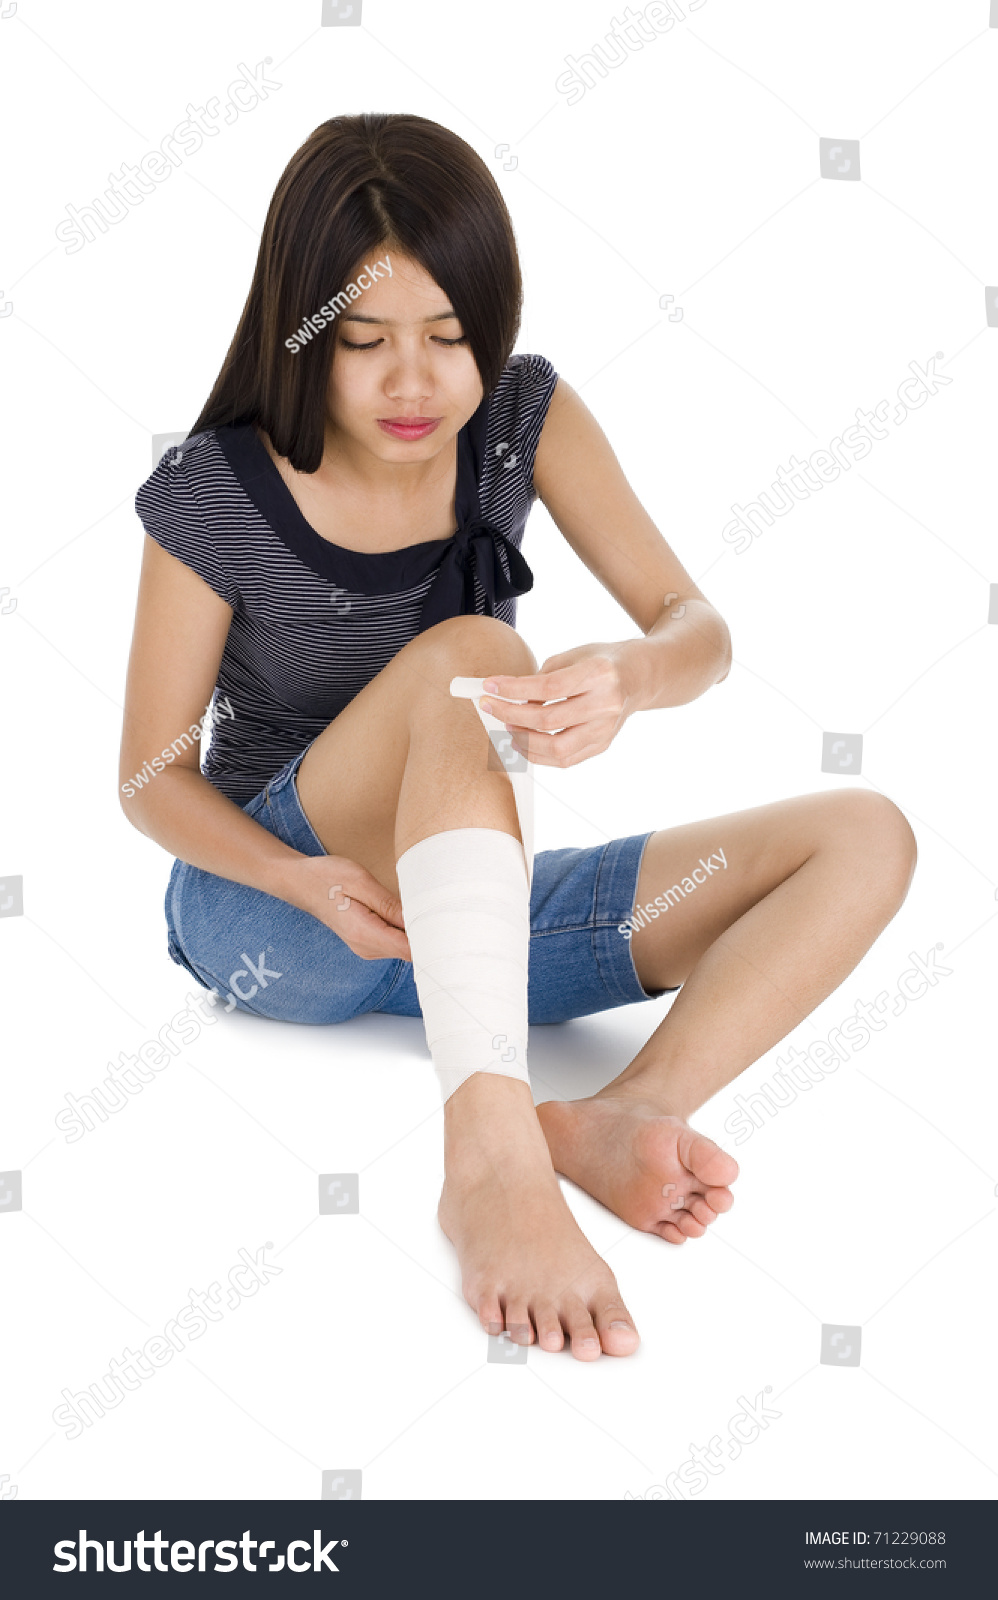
526	1266
650	1168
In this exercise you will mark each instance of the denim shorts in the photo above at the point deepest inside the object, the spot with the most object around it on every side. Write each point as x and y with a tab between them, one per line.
267	957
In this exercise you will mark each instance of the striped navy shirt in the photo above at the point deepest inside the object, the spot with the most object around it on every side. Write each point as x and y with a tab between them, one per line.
313	623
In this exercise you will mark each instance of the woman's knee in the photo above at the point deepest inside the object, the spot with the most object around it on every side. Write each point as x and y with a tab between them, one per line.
474	647
881	828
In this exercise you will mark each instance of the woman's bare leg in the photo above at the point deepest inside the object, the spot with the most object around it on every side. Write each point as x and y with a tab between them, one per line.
403	761
808	885
406	759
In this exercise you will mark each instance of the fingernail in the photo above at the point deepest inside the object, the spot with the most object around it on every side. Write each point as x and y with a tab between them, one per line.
491	686
485	705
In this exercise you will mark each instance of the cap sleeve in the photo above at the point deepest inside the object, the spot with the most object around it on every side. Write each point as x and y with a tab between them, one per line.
519	409
168	509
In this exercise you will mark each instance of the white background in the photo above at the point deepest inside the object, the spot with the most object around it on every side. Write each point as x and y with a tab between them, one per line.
692	170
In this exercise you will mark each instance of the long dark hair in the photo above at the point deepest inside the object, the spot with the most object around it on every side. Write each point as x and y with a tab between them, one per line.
357	184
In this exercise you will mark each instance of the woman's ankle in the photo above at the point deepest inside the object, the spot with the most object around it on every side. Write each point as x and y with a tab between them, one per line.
490	1123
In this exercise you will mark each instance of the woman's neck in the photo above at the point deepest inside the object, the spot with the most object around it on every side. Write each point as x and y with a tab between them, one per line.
363	503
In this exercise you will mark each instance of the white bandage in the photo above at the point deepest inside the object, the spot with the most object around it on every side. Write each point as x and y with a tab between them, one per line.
466	905
518	769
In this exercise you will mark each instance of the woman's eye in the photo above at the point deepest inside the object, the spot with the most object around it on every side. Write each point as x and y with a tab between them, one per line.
349	345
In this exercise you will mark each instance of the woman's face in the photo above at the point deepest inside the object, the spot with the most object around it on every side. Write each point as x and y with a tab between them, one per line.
403	379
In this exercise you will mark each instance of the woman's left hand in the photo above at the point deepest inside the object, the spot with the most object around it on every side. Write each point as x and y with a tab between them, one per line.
588	682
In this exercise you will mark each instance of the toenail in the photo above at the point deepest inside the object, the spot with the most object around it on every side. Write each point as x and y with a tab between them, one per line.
626	1325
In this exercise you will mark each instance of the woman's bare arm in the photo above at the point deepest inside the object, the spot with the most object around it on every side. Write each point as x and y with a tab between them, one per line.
687	647
574	707
181	626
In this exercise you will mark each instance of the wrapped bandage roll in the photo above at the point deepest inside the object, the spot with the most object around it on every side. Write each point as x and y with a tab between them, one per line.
516	766
466	903
466	906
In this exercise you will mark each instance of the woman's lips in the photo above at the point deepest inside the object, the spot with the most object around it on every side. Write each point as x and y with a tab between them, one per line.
409	427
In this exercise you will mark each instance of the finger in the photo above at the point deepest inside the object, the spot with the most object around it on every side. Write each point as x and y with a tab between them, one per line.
369	937
541	685
367	950
363	887
393	947
389	909
544	719
561	749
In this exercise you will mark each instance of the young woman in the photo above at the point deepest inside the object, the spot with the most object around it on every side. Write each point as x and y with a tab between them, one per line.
337	542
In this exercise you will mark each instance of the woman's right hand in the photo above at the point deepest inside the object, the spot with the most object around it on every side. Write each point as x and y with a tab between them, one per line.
348	899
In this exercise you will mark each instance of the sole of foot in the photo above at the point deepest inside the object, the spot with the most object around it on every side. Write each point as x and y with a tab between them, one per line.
651	1168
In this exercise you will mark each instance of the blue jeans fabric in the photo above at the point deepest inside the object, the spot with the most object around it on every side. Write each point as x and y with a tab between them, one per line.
267	957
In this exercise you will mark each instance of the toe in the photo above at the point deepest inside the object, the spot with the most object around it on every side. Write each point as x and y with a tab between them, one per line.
706	1160
581	1331
490	1313
668	1230
701	1210
617	1333
549	1330
518	1324
719	1199
688	1225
